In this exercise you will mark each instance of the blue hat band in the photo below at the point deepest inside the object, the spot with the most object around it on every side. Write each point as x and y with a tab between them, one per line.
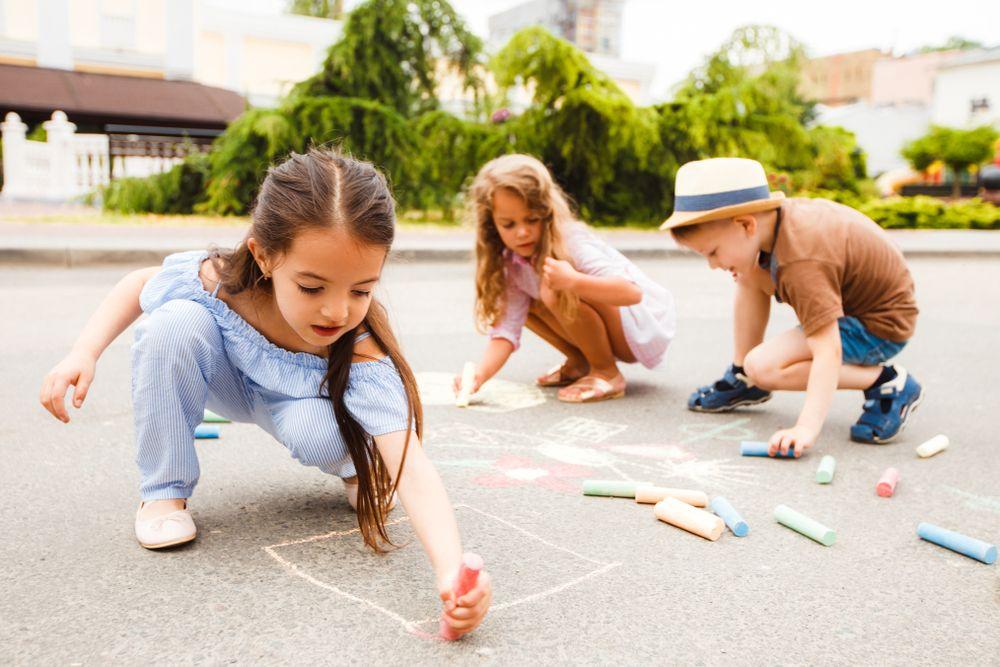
714	200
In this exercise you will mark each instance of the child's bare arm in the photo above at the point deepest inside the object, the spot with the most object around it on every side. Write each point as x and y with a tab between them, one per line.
115	313
433	518
824	374
612	290
498	351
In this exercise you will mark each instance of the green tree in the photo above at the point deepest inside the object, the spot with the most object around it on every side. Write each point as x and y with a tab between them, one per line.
376	82
582	126
744	101
958	149
395	51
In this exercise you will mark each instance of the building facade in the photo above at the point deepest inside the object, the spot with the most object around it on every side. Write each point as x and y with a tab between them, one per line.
257	56
967	90
842	78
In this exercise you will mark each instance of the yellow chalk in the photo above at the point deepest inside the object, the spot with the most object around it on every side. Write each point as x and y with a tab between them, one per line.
465	388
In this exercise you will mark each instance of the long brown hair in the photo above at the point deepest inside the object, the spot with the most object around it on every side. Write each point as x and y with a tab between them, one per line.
528	178
326	189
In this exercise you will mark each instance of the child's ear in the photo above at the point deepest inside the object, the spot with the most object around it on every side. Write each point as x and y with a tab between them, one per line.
748	223
258	254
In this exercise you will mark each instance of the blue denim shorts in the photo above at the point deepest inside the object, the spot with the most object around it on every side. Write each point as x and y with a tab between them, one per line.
861	347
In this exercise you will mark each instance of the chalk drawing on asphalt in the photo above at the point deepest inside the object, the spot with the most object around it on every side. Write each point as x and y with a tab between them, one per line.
426	627
506	458
494	396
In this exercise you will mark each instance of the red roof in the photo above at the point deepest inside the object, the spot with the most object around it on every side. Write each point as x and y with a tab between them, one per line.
112	98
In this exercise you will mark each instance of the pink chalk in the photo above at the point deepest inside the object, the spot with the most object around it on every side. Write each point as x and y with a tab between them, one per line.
468	574
887	484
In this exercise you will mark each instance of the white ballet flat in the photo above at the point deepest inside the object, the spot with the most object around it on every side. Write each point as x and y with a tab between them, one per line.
165	531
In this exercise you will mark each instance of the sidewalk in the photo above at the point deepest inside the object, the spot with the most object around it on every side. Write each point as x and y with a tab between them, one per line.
84	244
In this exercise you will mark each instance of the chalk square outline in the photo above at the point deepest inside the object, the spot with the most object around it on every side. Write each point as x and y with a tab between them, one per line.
412	626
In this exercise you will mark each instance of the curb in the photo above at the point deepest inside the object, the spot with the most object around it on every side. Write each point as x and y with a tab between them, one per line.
73	257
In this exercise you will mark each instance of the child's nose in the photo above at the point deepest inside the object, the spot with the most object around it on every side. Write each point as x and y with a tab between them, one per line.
335	311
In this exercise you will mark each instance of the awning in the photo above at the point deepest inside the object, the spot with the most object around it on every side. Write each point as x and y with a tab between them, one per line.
35	92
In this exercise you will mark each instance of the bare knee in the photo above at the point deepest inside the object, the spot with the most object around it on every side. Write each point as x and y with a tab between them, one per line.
549	297
760	370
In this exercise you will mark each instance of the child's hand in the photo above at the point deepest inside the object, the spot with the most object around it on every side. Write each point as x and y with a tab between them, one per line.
456	384
559	274
799	437
77	369
466	613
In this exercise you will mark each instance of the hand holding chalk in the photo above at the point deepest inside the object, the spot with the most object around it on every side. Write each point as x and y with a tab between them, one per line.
467	600
466	385
797	438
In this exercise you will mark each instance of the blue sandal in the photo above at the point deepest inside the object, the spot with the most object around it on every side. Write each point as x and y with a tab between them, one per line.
887	409
732	391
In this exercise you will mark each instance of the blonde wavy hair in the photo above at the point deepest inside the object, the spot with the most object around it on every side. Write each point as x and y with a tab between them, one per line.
528	178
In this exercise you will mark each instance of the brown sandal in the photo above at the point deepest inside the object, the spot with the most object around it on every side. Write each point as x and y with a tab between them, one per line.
555	378
594	389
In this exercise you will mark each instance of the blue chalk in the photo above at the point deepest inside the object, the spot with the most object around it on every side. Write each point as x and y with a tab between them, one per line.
206	431
963	544
755	448
732	518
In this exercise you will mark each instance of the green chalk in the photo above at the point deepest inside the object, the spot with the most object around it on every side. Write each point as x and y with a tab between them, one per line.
800	523
824	474
212	418
618	488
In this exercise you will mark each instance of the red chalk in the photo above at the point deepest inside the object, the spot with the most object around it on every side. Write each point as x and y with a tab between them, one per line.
468	574
887	484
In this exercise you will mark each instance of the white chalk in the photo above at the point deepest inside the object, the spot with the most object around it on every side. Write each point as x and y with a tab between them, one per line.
465	388
938	443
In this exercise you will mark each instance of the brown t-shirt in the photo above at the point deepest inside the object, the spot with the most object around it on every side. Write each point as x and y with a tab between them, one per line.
833	261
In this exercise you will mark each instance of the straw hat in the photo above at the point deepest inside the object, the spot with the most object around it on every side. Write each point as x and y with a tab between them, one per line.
721	187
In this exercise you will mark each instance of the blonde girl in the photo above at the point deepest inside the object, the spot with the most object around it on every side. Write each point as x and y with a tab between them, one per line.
538	266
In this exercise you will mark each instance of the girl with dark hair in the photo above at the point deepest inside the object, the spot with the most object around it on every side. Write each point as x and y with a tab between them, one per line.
283	332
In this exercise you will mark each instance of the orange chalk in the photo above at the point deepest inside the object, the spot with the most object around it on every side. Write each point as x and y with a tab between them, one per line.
654	494
680	514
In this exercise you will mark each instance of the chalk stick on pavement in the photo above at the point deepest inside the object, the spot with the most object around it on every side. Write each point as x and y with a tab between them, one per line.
938	443
680	514
824	473
212	418
654	494
887	483
756	448
468	575
732	518
959	543
204	431
618	488
800	523
465	388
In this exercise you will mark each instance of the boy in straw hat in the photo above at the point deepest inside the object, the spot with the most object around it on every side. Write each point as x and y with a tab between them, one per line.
846	281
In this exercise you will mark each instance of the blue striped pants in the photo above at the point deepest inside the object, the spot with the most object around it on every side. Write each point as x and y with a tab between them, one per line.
180	367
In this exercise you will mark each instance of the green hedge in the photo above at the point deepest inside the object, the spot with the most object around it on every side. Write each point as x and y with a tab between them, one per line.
923	212
175	191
